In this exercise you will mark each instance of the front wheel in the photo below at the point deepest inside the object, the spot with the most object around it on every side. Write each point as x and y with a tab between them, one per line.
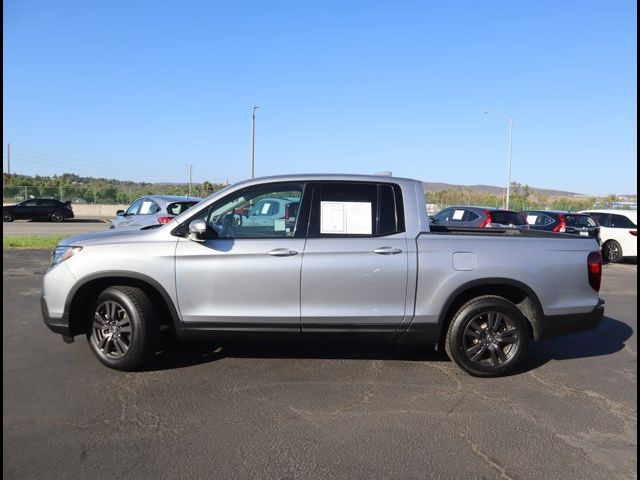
122	332
612	252
488	337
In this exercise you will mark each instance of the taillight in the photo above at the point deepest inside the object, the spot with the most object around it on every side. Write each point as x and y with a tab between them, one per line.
594	267
562	226
633	232
487	219
164	220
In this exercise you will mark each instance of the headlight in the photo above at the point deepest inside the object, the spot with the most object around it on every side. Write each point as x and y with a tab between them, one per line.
60	254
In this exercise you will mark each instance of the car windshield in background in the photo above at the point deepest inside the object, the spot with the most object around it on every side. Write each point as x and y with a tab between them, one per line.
581	221
507	218
178	207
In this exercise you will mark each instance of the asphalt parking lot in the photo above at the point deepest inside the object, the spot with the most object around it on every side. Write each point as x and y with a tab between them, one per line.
274	410
69	227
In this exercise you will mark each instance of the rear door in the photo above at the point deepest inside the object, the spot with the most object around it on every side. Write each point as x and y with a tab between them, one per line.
354	269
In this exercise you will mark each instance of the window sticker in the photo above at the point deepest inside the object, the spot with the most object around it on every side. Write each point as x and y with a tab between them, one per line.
146	206
458	214
279	225
265	208
345	218
531	219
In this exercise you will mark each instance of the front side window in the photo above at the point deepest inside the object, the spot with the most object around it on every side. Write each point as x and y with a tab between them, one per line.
444	215
580	221
603	219
134	209
265	211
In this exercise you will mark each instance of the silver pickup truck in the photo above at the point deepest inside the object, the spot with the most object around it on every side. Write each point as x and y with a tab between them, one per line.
345	255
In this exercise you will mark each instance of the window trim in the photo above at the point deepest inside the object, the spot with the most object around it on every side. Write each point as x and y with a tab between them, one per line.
303	212
398	203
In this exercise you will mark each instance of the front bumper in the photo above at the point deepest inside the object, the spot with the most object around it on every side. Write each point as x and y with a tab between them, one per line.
56	325
556	325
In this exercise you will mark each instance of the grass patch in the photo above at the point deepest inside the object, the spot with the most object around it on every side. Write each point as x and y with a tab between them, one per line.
35	242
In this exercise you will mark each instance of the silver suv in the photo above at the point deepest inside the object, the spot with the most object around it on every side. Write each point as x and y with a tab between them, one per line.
152	211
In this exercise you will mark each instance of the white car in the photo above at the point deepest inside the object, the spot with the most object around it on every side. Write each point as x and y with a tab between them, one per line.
618	233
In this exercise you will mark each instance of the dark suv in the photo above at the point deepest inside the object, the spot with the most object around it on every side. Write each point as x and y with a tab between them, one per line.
479	217
562	222
38	209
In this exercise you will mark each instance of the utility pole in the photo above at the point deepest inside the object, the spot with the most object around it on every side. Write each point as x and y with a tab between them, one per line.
510	120
190	175
9	159
253	139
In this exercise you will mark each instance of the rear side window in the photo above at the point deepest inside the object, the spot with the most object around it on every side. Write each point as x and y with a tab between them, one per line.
620	221
579	221
538	219
356	209
48	203
504	217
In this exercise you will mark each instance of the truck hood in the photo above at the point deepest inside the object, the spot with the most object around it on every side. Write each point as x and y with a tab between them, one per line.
115	236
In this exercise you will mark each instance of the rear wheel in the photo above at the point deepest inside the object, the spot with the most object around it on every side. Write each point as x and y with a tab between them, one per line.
7	217
56	216
488	337
612	251
123	332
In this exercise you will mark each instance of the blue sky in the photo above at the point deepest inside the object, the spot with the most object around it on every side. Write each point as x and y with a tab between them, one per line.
140	89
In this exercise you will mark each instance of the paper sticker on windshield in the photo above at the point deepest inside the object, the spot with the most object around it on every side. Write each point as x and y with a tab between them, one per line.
146	206
265	208
345	218
458	214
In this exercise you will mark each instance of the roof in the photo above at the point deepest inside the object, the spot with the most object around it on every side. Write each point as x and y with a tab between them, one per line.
619	211
172	198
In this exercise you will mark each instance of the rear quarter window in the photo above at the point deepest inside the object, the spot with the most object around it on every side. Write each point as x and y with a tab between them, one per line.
620	221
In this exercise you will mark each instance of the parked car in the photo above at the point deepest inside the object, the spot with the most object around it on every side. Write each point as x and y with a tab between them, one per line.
152	211
618	233
360	259
38	209
480	217
562	222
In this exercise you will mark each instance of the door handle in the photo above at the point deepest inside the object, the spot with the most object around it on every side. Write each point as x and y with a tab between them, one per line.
282	252
387	251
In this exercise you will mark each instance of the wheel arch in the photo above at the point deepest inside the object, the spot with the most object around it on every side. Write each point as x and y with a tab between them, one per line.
518	293
83	295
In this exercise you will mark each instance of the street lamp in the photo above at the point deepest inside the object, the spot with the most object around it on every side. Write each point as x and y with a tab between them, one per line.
253	139
508	118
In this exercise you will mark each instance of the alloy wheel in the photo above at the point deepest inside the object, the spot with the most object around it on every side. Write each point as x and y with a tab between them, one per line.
112	332
490	339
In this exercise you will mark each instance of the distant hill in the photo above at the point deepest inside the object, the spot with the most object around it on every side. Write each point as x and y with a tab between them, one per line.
439	187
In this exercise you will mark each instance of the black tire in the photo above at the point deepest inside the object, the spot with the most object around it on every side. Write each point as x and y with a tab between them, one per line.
132	325
471	333
612	252
7	217
56	216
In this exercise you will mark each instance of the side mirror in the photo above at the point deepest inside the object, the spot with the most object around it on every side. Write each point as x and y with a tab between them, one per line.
120	213
197	230
431	219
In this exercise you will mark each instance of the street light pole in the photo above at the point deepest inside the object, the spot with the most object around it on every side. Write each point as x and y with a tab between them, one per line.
253	140
510	120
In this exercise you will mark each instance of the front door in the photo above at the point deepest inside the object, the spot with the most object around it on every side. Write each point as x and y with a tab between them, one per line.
354	270
245	275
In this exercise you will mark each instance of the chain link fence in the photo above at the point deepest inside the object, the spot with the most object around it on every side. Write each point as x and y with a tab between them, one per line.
93	195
